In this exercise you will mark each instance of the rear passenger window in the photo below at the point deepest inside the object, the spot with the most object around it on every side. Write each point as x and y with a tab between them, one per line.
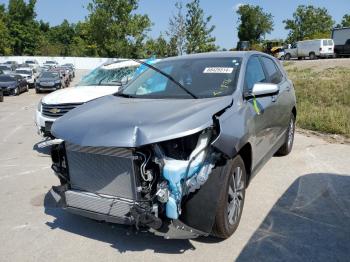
273	72
254	73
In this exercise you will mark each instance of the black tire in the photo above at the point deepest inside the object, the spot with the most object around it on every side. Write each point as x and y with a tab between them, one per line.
1	97
26	89
287	147
37	91
231	200
312	56
287	56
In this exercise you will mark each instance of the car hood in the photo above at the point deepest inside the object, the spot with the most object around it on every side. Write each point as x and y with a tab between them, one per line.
79	94
127	122
7	84
48	79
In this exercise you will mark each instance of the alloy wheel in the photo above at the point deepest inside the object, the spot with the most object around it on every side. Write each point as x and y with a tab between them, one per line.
235	196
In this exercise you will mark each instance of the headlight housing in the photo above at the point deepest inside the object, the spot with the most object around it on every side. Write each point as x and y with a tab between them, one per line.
40	105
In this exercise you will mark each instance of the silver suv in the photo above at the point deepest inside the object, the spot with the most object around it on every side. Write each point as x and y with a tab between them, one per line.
175	150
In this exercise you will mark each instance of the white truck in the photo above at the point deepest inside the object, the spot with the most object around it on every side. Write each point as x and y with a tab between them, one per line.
317	48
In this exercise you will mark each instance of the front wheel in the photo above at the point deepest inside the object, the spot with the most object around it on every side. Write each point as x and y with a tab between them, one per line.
287	56
286	148
231	203
15	91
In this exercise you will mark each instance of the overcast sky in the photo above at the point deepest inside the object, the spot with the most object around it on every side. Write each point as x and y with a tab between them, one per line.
222	11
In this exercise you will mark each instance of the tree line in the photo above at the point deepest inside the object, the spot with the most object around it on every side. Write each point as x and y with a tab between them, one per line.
113	28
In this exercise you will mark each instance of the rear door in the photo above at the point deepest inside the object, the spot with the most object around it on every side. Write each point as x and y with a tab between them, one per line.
280	107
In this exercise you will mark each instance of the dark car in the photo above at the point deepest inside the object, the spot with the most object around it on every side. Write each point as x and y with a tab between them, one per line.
12	64
48	81
175	150
13	84
71	68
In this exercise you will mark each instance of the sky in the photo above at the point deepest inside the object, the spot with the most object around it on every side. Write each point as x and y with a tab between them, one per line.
222	11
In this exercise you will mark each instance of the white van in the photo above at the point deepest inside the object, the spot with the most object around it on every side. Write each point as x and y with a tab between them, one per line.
313	49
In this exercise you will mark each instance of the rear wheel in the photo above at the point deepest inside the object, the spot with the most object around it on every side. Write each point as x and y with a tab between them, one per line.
286	148
312	56
37	90
232	197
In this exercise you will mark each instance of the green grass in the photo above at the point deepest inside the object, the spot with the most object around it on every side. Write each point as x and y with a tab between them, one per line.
323	99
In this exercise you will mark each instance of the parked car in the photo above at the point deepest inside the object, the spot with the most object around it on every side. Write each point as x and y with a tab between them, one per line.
63	73
29	74
341	38
49	81
102	81
5	68
1	95
175	149
318	48
13	84
32	63
13	64
51	63
70	69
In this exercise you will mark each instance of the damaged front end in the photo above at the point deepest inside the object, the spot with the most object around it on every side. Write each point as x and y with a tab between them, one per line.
162	186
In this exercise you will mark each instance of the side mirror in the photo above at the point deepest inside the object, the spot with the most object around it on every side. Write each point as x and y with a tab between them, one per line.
264	89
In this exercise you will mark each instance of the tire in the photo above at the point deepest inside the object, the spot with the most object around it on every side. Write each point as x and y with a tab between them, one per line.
37	91
286	148
27	88
287	56
2	97
312	56
232	197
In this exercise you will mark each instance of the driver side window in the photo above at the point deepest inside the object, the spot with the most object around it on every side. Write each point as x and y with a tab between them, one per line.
254	73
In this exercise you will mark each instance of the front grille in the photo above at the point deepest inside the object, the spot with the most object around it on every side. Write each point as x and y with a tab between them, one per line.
58	110
102	170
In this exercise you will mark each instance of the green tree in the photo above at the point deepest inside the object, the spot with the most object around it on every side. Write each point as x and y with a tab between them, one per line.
308	22
62	35
177	31
198	33
254	23
116	29
5	43
345	22
23	29
157	47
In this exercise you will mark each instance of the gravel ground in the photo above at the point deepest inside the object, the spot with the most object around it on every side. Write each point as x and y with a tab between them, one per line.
297	208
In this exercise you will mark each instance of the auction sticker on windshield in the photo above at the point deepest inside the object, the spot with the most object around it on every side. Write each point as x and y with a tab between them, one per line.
218	70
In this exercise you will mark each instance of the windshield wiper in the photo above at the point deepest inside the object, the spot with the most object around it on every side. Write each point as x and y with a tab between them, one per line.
124	95
167	76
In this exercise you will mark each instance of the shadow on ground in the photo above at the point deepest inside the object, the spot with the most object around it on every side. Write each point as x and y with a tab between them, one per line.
310	222
122	238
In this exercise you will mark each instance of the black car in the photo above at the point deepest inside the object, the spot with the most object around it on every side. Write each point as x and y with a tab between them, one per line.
48	81
13	84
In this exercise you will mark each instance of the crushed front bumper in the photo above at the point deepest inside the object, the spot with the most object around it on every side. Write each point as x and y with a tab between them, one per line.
116	211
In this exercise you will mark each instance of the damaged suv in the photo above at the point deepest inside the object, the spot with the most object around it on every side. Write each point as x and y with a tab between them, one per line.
175	149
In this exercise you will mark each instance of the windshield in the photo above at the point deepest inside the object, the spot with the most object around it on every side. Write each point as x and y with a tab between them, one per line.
107	75
29	62
49	75
50	62
202	77
5	78
25	72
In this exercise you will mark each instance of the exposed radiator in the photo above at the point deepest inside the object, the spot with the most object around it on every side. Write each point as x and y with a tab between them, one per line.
102	170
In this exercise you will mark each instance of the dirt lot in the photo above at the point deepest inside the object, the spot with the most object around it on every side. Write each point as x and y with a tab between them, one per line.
297	208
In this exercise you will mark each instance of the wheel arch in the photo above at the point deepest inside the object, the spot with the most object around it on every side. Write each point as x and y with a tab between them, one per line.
247	155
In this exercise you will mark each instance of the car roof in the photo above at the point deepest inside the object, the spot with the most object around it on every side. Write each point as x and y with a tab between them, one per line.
220	54
24	68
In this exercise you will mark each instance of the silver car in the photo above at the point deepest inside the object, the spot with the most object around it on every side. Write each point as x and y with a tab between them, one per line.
175	150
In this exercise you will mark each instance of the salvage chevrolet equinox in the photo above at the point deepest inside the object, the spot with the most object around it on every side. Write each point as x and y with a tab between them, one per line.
175	149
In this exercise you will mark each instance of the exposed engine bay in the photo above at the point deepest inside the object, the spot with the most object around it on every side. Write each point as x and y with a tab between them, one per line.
146	187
